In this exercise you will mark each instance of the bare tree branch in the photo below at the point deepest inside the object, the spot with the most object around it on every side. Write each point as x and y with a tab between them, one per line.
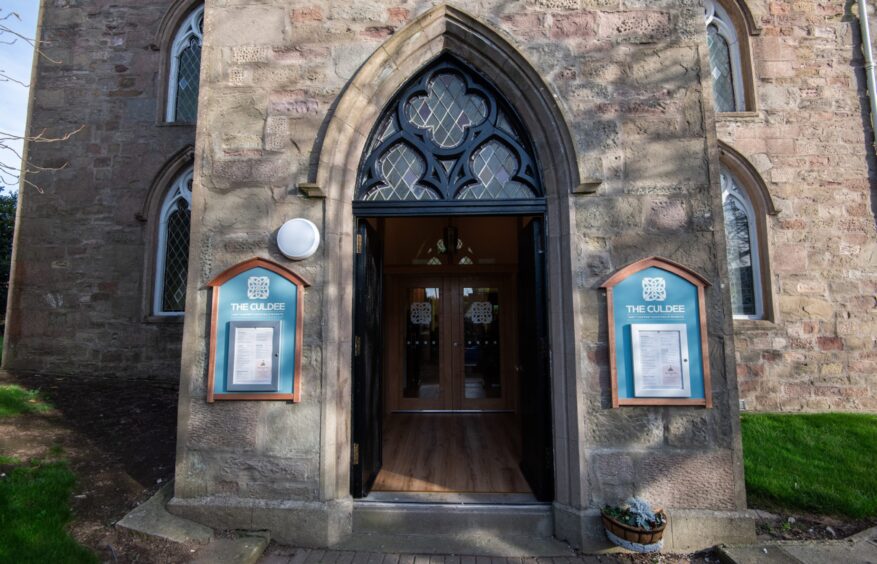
14	174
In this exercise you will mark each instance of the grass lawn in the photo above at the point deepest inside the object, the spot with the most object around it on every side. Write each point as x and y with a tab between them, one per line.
35	497
817	463
34	509
15	400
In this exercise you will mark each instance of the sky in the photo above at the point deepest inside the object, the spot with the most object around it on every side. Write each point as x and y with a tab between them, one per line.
15	61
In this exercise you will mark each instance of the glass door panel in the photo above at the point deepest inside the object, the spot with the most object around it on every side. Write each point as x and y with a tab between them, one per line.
448	342
483	343
482	373
423	366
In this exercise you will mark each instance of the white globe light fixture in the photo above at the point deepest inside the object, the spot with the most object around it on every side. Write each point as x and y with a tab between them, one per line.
298	239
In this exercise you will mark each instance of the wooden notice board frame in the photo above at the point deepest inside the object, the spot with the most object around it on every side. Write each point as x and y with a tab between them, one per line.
701	284
216	285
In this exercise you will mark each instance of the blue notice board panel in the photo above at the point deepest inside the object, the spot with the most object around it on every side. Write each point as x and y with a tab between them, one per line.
256	334
658	345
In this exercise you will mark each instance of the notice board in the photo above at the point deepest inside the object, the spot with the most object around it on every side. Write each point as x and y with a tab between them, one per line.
658	349
256	333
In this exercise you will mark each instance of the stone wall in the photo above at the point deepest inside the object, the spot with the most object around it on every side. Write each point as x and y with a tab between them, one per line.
811	142
78	298
291	90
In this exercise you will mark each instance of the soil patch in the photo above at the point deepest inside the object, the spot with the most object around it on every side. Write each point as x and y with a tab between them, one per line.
119	439
809	527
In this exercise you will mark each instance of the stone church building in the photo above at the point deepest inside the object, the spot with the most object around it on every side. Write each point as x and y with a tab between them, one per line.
477	175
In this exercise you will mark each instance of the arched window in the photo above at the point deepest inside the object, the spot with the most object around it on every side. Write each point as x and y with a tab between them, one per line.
184	69
172	258
743	244
726	44
449	138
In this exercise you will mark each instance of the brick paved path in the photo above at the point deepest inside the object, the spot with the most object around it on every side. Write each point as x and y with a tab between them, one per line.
277	554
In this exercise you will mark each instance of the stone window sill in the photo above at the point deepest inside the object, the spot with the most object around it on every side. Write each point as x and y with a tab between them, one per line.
738	116
753	324
174	124
164	319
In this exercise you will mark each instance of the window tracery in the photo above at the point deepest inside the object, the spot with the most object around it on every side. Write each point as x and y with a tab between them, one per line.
172	259
744	261
448	136
185	69
726	61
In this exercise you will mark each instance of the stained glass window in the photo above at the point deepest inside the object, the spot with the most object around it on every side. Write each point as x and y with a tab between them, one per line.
725	59
185	69
742	249
172	260
448	136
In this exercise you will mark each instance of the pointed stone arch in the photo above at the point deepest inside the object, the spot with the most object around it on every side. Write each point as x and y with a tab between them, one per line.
755	186
444	29
333	175
761	206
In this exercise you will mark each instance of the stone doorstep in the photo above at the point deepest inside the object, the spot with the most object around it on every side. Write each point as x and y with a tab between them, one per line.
152	519
241	550
860	548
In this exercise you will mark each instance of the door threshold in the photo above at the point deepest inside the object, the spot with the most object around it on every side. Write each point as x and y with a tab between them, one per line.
453	498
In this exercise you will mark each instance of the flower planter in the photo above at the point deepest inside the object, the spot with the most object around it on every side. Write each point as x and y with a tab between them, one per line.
635	538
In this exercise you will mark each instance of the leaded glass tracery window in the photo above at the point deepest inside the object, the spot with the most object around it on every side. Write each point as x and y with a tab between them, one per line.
725	59
448	136
741	235
185	69
172	260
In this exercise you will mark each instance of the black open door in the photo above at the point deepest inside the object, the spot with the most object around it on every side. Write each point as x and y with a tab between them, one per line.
367	347
537	452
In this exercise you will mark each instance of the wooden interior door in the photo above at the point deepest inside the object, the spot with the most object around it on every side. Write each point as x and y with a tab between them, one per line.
451	343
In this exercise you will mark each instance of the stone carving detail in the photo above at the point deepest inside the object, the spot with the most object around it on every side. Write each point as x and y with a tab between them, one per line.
480	312
654	289
257	287
421	313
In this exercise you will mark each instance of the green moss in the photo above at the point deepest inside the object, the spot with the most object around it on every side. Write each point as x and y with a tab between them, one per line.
819	463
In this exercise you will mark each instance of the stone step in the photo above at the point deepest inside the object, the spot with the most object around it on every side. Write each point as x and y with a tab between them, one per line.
472	544
151	519
476	529
241	550
536	520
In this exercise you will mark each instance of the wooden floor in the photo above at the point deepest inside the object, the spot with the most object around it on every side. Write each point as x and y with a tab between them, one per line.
427	452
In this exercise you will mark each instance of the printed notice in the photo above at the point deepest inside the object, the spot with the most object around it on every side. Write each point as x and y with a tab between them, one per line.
660	360
253	356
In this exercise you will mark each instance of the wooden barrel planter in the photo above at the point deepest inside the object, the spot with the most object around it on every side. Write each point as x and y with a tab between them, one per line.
636	535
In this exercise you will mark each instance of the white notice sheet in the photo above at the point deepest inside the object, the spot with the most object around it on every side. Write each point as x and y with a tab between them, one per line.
660	358
253	355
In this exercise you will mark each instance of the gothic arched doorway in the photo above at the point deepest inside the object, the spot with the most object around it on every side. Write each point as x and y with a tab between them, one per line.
451	388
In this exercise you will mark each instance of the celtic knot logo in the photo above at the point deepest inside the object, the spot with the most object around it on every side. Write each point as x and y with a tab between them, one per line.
421	313
257	287
654	289
480	312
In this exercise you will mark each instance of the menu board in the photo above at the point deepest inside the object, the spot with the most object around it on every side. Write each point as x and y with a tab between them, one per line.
660	360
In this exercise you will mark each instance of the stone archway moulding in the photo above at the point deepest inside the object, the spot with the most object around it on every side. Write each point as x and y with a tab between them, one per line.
445	29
